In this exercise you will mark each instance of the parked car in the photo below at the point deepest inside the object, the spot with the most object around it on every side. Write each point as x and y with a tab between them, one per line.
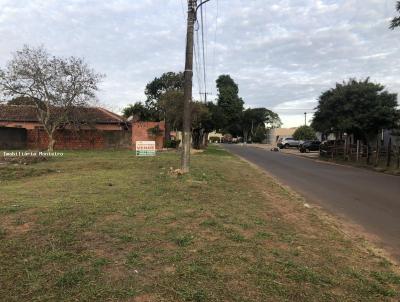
288	142
308	146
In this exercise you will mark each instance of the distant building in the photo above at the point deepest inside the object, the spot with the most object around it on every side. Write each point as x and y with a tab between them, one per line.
275	134
215	137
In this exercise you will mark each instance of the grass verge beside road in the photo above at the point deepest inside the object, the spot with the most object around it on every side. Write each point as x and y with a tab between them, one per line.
107	226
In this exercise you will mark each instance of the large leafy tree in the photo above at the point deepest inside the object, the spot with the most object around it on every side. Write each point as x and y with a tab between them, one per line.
304	133
169	81
396	20
256	118
158	90
201	120
57	86
230	103
172	104
139	112
357	107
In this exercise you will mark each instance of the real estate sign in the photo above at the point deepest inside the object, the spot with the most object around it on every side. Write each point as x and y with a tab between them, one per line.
145	148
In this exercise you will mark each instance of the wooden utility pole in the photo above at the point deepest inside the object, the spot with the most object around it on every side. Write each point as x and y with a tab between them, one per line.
188	75
205	95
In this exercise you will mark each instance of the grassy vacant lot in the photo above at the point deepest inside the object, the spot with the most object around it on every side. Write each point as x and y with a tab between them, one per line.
106	226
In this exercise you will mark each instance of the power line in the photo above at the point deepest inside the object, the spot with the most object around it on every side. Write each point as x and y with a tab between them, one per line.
215	40
183	10
197	67
204	53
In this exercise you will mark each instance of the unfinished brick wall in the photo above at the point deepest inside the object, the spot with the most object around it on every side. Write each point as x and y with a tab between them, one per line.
140	132
81	140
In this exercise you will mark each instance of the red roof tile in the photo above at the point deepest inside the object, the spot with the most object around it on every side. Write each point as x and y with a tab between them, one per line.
25	113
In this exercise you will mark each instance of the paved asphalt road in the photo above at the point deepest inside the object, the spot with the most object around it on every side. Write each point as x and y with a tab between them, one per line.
367	198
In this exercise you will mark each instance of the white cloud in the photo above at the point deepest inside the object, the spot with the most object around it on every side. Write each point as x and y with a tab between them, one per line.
281	53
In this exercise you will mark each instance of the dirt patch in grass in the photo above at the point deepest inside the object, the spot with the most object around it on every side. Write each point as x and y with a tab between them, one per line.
22	160
17	171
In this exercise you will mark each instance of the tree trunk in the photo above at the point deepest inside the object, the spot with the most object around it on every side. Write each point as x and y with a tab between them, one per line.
52	142
245	136
197	138
205	139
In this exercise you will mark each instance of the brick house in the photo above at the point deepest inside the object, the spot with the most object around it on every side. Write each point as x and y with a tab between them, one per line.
141	131
99	129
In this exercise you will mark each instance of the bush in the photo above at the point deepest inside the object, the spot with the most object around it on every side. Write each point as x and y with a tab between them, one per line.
214	139
304	133
155	131
260	135
172	144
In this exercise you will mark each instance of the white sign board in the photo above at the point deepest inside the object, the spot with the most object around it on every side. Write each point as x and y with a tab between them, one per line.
145	148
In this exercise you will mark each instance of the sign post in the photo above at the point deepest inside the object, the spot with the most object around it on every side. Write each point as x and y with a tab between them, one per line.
145	148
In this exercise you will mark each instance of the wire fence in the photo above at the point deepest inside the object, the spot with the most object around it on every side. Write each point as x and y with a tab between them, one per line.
378	155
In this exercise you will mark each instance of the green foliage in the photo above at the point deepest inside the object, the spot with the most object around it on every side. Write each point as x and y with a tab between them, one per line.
171	103
230	116
396	20
260	134
155	131
214	139
169	81
253	118
230	103
304	133
139	112
172	143
357	107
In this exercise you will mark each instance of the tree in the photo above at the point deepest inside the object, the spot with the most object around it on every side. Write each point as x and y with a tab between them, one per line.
155	92
253	118
304	133
171	103
201	116
139	112
169	81
396	20
230	103
260	134
56	85
360	107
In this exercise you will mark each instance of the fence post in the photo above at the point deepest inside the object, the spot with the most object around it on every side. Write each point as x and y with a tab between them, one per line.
389	152
377	152
398	158
358	150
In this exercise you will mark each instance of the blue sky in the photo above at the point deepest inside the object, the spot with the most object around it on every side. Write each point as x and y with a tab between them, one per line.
282	54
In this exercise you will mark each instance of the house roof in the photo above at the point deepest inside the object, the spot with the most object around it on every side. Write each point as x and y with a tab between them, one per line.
27	113
284	131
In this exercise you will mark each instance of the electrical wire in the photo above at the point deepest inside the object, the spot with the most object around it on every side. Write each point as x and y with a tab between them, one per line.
204	53
214	67
183	10
196	61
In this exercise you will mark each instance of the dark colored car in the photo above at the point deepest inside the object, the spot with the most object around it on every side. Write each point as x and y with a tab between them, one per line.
308	146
